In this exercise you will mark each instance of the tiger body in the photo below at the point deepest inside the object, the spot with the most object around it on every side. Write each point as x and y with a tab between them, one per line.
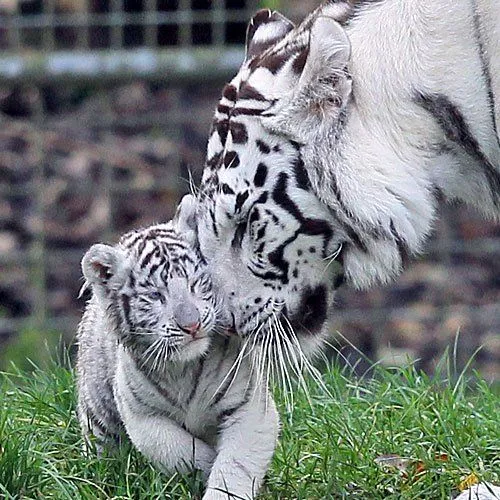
152	365
370	105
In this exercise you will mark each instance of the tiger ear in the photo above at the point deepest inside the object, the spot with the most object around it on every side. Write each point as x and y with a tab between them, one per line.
101	264
185	218
328	52
265	29
317	84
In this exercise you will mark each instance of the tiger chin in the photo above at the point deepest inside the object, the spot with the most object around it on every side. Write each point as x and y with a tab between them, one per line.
343	134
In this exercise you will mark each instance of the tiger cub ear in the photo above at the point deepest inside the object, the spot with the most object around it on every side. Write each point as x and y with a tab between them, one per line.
101	264
265	29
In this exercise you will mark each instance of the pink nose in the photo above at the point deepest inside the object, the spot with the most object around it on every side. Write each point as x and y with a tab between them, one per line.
192	329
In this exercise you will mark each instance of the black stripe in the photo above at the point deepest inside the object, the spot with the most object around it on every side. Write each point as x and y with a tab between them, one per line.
147	258
157	232
260	175
230	92
239	132
402	246
248	92
226	189
155	267
456	130
131	280
214	223
271	61
195	380
125	300
231	159
240	201
486	69
228	412
132	243
223	109
300	173
280	196
239	233
263	147
247	111
156	383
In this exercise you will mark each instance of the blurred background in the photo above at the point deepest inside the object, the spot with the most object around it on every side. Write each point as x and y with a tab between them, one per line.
105	107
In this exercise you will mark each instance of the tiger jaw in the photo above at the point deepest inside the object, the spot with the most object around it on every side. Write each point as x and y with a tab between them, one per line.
303	318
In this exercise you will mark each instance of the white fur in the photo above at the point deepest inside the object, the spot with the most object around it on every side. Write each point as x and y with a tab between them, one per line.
384	162
187	398
239	452
375	153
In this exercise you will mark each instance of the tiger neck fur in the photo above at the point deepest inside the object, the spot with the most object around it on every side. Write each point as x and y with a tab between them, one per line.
420	125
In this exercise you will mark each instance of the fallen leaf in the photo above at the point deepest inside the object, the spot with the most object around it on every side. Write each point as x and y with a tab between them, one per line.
468	481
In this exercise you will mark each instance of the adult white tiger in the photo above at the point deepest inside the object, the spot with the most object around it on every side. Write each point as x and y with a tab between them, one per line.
341	135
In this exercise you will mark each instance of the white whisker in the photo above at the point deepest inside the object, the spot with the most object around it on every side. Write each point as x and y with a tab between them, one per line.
332	258
285	377
236	362
295	361
312	370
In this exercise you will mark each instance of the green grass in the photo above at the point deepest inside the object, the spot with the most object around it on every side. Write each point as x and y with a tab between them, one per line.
326	451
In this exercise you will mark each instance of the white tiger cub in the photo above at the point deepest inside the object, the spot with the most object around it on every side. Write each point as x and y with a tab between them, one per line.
151	365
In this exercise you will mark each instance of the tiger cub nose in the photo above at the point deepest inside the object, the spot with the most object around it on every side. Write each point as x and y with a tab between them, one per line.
187	317
191	329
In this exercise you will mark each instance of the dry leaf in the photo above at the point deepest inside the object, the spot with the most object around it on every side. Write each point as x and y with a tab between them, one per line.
468	481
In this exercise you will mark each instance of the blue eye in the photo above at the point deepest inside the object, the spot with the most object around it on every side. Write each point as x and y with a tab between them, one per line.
155	295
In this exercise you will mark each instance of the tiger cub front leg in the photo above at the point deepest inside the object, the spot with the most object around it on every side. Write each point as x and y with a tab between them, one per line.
246	445
165	442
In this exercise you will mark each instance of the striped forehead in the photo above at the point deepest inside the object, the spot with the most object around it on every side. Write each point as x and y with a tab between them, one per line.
156	248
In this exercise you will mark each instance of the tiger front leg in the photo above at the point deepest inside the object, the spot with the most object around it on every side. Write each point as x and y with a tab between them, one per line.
246	445
165	443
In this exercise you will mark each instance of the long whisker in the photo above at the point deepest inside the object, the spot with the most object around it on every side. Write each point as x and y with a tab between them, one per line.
238	366
149	352
269	360
295	361
157	359
285	377
257	361
345	359
332	258
266	348
279	363
237	361
312	370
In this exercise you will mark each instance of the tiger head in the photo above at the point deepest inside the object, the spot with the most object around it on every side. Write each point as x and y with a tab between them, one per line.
156	293
322	165
272	246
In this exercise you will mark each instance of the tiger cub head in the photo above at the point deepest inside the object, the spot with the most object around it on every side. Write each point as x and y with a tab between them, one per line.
272	245
156	294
